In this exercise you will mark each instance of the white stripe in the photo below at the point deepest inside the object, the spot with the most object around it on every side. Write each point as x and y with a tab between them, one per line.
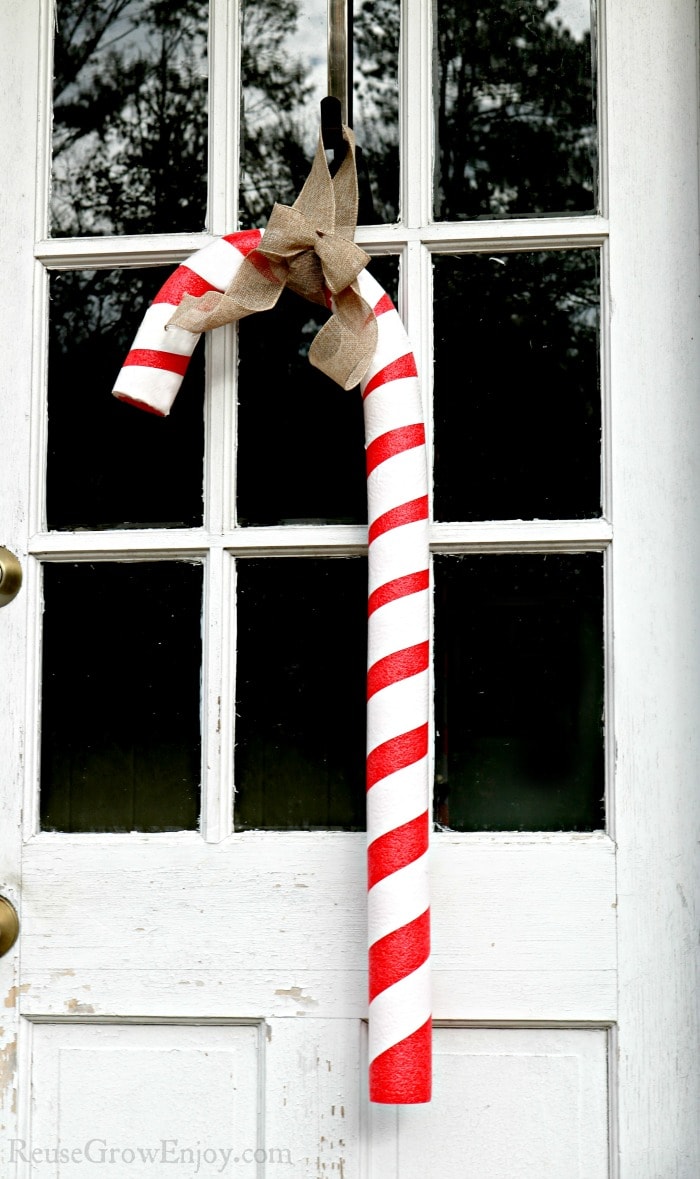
399	1011
398	624
216	263
392	343
396	709
390	406
152	332
397	799
398	552
370	289
152	386
396	481
398	899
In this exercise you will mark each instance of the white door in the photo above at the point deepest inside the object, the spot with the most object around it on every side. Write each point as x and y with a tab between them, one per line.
188	992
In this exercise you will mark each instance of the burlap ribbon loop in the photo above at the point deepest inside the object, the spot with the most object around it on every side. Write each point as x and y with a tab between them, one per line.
308	247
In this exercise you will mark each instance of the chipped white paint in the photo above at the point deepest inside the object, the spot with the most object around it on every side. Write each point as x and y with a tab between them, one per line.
245	954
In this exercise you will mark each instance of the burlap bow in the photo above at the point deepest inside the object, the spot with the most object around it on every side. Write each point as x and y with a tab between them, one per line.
308	247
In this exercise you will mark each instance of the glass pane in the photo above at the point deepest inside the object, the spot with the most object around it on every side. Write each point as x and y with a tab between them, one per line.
300	712
515	108
376	103
284	76
110	465
517	386
301	456
120	740
519	692
129	116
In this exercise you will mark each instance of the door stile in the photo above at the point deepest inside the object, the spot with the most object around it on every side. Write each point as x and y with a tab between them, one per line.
18	52
655	370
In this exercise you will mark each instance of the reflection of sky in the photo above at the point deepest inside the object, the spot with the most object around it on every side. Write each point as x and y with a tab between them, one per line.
574	15
308	43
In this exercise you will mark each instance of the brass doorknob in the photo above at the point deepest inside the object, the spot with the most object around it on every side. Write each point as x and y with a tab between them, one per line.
9	926
10	576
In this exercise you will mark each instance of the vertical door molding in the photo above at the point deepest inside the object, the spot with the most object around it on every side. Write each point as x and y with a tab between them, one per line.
655	371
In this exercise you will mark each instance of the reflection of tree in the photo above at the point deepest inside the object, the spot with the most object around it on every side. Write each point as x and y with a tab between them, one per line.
376	99
130	114
515	110
274	162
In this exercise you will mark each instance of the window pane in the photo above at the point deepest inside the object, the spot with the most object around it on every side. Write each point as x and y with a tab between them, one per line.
515	108
284	76
517	386
300	711
301	456
120	745
519	692
110	465
376	103
129	116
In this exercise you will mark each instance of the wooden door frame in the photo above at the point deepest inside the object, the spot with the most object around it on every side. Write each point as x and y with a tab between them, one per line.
650	214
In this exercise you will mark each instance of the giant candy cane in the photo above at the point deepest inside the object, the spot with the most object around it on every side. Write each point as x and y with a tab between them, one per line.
398	653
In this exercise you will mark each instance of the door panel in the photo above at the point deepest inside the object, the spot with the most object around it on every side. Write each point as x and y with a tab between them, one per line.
510	1103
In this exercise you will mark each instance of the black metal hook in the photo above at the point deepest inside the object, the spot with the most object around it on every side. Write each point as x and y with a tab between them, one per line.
332	125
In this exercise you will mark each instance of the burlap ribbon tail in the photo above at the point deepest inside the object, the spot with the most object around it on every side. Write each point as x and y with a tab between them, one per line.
308	247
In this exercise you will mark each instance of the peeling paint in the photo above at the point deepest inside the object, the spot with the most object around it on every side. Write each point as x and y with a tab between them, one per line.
8	1067
14	992
297	994
74	1005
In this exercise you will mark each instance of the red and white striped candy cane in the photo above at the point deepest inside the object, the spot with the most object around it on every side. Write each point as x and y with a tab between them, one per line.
398	652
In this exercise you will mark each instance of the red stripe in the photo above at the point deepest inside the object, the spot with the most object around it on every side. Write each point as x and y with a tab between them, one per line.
384	304
400	587
397	753
245	240
405	366
415	509
150	358
400	665
183	281
396	849
402	1074
398	954
139	404
394	442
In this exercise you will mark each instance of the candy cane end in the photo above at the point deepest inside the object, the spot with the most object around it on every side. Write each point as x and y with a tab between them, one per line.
403	1075
159	413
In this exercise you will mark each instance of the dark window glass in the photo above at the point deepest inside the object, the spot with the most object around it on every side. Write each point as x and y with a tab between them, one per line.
111	465
300	710
515	108
519	692
120	743
517	386
301	456
129	116
284	77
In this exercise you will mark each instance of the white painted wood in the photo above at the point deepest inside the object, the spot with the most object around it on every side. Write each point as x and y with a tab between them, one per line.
18	45
452	237
277	923
655	377
157	1099
496	536
129	941
509	1104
